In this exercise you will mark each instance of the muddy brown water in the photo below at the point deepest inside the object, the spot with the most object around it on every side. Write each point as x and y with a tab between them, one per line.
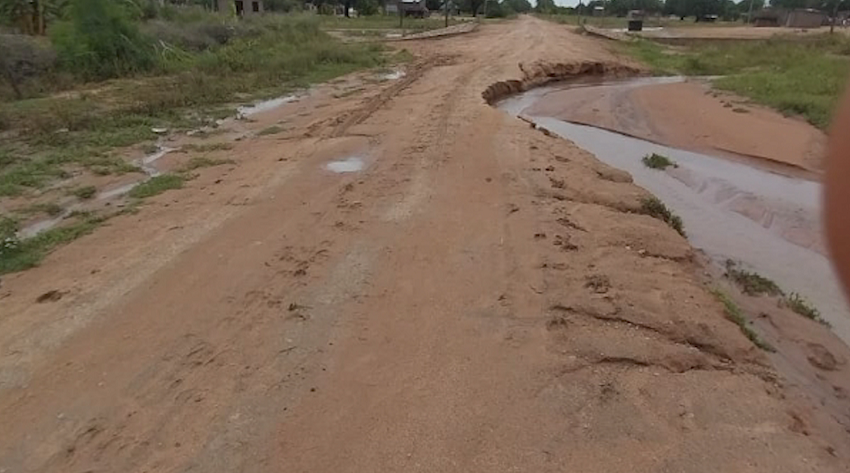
769	222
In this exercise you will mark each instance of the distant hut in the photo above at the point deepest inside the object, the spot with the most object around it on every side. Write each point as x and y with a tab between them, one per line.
796	18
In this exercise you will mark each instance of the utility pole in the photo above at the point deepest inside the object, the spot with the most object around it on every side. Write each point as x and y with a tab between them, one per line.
400	4
446	6
750	14
834	15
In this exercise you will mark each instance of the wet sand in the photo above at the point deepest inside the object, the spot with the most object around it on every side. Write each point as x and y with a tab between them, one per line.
689	115
731	210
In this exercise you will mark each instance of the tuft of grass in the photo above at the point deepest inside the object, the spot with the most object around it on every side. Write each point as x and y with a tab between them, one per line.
29	252
733	313
653	207
149	148
84	193
799	305
272	130
52	209
752	284
657	161
206	147
157	185
204	162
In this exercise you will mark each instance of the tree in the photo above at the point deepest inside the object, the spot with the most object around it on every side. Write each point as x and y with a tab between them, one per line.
545	6
99	41
519	6
31	16
472	6
367	7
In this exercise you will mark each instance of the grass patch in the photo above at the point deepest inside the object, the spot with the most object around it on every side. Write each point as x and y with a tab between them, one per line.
206	148
18	255
157	185
752	284
657	161
51	209
204	162
84	193
272	130
796	75
188	88
799	305
733	313
653	207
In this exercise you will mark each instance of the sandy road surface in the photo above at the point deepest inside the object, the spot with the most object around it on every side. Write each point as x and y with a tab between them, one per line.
475	299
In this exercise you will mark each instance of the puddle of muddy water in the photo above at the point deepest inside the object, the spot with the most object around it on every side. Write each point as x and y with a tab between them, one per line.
265	105
769	222
352	164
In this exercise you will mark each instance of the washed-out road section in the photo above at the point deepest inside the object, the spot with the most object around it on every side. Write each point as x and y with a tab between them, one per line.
469	294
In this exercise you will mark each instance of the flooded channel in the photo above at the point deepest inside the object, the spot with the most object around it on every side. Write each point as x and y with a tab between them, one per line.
769	222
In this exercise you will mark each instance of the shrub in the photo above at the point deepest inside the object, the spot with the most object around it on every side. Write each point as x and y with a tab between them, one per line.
655	208
101	42
657	161
802	307
367	7
752	284
23	58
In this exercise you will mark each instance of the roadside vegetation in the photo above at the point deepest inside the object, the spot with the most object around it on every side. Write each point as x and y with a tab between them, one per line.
802	76
750	283
85	82
653	207
18	255
754	284
657	161
733	313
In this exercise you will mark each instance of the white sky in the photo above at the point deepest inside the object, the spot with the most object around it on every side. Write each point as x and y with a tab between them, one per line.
567	3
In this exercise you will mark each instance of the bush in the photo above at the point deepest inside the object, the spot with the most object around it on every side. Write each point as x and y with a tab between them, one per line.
101	42
657	161
655	208
367	7
22	59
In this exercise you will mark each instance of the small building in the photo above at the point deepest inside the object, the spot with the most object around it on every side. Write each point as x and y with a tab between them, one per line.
240	7
599	10
806	18
415	8
796	18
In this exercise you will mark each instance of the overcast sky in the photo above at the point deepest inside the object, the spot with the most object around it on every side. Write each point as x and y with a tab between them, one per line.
567	3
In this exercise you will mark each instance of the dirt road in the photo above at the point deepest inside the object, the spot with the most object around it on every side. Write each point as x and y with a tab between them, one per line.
476	298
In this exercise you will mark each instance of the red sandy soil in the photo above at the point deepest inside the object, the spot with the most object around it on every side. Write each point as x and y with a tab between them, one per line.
482	297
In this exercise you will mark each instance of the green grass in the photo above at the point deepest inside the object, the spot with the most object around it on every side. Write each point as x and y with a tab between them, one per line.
157	185
799	305
272	130
204	162
28	253
752	284
51	209
733	313
802	76
60	133
206	148
657	161
84	193
653	207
